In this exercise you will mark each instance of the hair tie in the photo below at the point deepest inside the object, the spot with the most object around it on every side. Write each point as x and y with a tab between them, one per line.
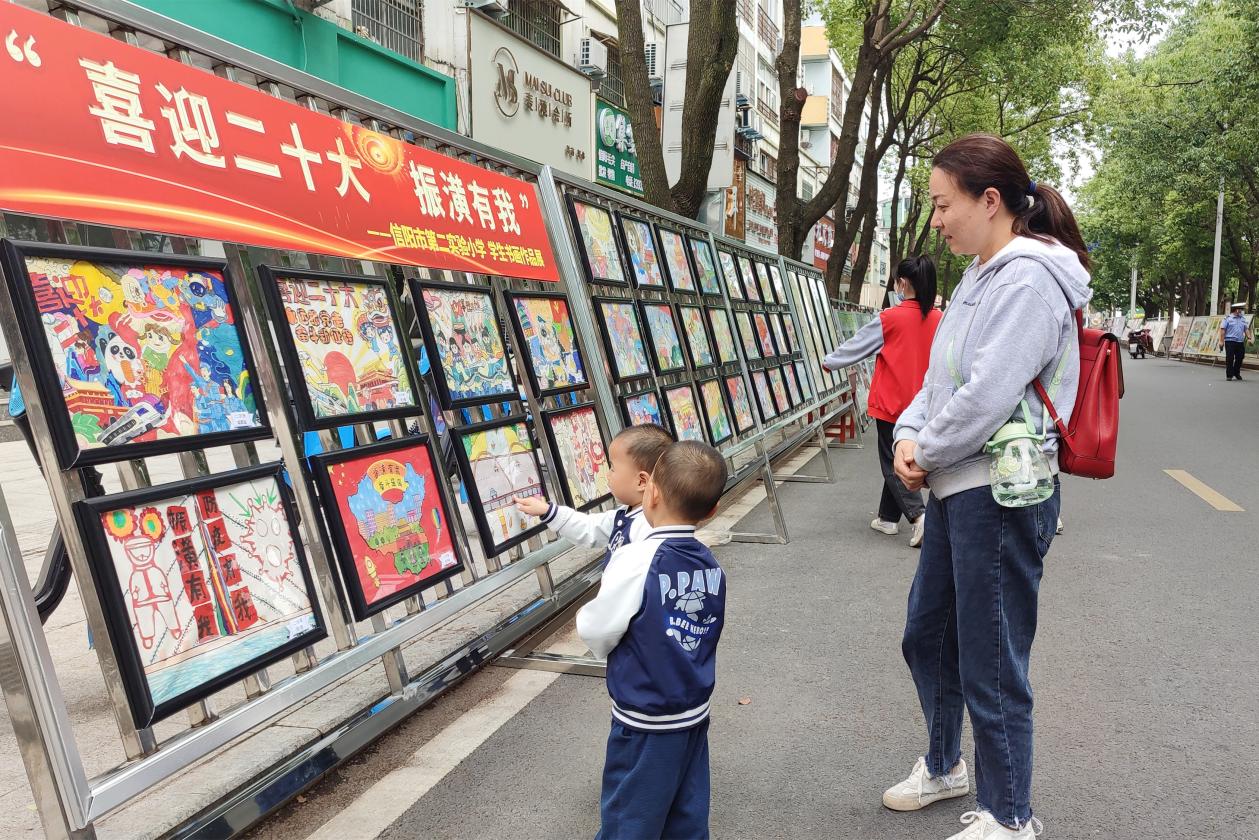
1031	188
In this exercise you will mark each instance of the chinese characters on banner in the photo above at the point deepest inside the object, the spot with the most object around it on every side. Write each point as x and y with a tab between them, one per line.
138	140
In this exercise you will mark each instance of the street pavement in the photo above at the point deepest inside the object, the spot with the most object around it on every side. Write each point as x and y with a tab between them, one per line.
1146	667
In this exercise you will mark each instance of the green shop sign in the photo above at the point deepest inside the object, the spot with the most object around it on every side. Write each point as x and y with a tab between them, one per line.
617	163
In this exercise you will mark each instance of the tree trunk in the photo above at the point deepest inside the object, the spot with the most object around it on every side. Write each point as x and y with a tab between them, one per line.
641	106
894	217
868	225
791	98
867	192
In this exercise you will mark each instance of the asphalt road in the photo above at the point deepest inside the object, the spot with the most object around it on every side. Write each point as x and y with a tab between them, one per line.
1146	665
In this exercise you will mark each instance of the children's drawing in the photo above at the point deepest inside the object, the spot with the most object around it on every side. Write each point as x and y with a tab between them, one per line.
643	408
499	463
545	328
679	268
666	348
598	244
696	335
723	335
623	339
682	410
640	250
715	411
581	454
702	253
739	403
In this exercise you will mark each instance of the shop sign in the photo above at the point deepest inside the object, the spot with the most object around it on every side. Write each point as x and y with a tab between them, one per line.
616	162
736	201
527	102
823	240
137	140
762	229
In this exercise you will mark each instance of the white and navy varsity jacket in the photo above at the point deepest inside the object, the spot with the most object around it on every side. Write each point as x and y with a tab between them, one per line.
657	618
614	527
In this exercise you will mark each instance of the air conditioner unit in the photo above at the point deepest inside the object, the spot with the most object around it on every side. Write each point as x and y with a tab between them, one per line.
741	100
493	8
652	54
592	57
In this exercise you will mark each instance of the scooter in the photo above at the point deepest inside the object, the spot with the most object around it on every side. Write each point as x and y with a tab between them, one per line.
1139	342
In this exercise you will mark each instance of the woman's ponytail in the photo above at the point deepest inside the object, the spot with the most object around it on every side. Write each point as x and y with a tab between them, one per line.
1046	214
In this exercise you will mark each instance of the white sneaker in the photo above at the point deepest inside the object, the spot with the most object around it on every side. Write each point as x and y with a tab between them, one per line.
1060	527
889	528
915	540
981	825
921	788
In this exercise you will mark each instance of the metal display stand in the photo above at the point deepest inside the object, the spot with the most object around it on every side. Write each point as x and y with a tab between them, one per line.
68	801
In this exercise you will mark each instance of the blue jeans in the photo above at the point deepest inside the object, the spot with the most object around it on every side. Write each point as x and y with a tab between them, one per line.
655	785
968	638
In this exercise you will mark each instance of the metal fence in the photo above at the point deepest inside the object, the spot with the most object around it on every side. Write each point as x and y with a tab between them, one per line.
394	24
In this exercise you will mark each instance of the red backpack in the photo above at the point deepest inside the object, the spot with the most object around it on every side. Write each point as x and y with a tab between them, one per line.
1088	443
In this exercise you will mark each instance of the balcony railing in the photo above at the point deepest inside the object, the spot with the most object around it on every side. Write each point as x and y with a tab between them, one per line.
762	108
745	12
537	21
766	29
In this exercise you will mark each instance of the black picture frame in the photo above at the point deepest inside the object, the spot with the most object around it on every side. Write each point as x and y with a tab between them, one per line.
339	537
725	405
70	454
587	266
774	319
144	711
269	278
747	277
558	461
492	548
770	351
720	312
696	359
747	334
694	244
605	334
734	415
526	352
621	219
660	407
699	411
651	336
731	274
763	279
661	231
437	367
772	412
802	379
784	405
793	386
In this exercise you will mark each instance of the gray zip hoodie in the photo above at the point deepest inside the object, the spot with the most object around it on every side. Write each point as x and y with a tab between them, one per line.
1009	321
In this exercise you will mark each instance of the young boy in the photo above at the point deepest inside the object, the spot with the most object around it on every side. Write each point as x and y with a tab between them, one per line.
657	619
631	457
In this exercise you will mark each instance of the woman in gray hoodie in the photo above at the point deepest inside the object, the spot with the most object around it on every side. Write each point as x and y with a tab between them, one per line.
972	607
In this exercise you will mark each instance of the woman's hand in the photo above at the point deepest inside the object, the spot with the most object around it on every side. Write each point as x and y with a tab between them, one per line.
907	470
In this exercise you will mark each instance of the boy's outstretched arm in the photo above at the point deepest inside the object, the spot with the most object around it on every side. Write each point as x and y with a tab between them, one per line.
593	529
603	621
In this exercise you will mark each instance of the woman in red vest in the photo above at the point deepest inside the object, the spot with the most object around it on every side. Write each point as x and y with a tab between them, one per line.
901	336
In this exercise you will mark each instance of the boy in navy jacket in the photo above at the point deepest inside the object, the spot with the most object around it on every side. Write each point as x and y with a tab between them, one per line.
657	619
631	458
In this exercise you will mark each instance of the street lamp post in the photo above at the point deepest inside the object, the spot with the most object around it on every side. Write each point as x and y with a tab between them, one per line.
1215	261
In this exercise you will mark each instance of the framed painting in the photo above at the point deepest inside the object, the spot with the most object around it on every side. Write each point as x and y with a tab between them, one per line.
762	280
778	387
740	405
579	452
775	326
498	462
776	280
545	334
747	334
683	413
465	346
723	335
344	342
719	428
596	241
705	266
730	273
788	328
662	332
133	354
764	398
748	277
622	338
641	251
696	331
203	582
643	408
678	267
802	380
764	337
793	387
389	516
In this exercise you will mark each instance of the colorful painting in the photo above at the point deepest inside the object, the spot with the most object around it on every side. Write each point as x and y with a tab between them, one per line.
623	339
545	329
643	408
737	390
684	414
762	278
778	387
776	279
780	340
750	289
792	345
764	398
344	343
802	379
203	583
793	387
663	333
696	332
719	428
747	334
679	268
731	274
702	253
597	241
461	332
499	463
390	521
723	335
135	354
580	453
640	250
763	335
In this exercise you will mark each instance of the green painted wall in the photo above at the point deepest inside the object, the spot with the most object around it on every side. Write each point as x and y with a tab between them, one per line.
286	34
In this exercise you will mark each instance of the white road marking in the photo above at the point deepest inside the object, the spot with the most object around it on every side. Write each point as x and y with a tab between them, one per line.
378	807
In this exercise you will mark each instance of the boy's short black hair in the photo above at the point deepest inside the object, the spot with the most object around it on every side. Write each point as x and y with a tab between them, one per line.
644	444
691	477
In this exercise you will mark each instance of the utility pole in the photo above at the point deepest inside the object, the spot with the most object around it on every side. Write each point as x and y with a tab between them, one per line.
1132	292
1215	262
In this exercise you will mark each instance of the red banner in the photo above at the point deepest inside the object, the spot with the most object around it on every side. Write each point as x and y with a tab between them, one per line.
96	130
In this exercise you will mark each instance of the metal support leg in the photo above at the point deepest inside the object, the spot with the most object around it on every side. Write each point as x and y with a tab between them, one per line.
780	536
805	478
526	656
395	665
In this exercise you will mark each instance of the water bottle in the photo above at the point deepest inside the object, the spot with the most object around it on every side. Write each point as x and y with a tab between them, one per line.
1018	470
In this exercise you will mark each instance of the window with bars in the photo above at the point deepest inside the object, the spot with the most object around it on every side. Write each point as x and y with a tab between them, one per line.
537	21
394	24
611	87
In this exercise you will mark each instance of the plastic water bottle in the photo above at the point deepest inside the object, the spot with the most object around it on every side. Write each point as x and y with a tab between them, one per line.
1018	470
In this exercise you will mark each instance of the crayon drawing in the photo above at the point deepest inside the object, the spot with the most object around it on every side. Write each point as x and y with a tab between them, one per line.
686	421
731	275
583	459
675	260
663	333
715	411
462	332
598	244
500	464
643	408
696	335
624	339
702	253
723	335
742	407
640	250
546	332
